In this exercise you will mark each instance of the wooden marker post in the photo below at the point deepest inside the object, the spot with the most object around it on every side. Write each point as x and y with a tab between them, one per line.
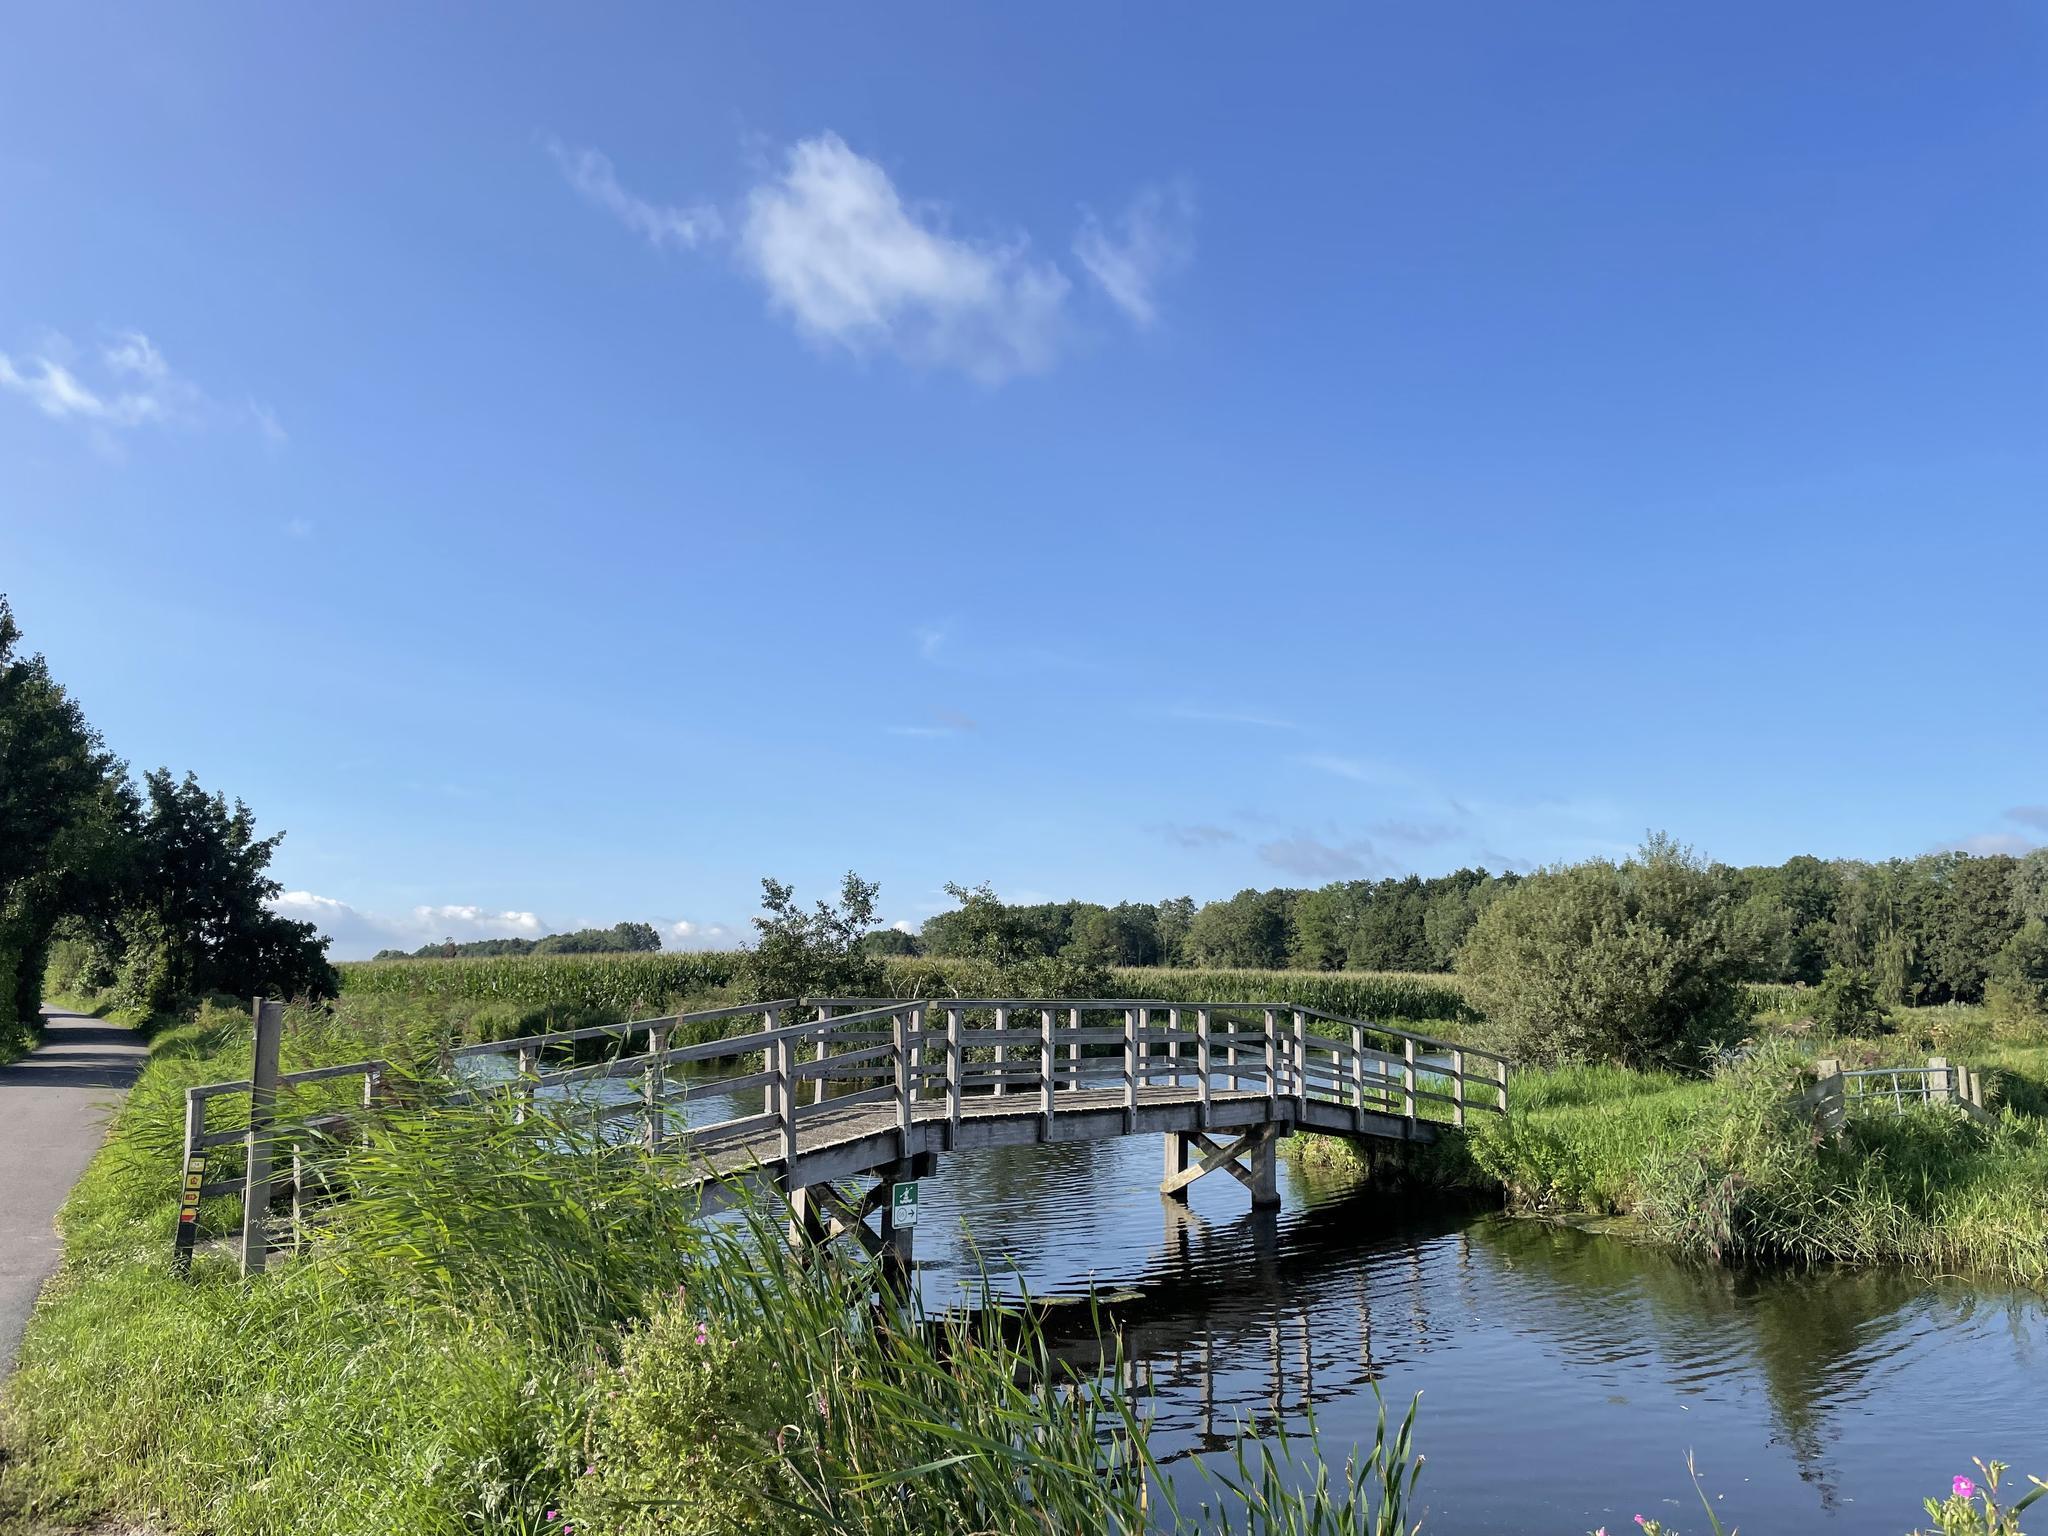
269	1019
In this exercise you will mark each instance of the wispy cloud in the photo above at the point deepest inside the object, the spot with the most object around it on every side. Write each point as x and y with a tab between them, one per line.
662	225
1152	238
1313	859
1419	834
940	645
134	387
849	262
857	266
684	934
1196	835
944	722
2029	816
358	934
1232	717
1358	769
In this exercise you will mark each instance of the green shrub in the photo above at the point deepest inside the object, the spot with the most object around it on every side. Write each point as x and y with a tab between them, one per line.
1636	962
1846	1002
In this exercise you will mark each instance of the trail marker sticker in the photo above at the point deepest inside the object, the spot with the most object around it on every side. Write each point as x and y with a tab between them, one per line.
903	1204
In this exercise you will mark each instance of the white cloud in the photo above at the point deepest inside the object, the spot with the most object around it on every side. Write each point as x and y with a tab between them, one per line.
1152	238
684	934
591	174
136	388
850	263
357	935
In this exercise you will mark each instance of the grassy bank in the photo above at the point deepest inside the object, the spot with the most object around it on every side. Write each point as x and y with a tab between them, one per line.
1730	1168
506	1329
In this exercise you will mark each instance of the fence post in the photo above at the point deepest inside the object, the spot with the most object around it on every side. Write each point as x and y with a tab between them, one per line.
1173	1042
1457	1087
1130	1070
529	1064
1300	1065
785	1106
1272	1016
1047	1018
952	1077
1830	1094
1500	1079
899	1025
1203	1059
1408	1077
1074	1046
1939	1077
1002	1055
655	1087
195	1179
1358	1076
269	1019
824	1017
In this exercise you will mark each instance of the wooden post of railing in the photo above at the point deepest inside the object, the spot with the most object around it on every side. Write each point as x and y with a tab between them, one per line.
770	1104
785	1105
262	1114
1130	1070
899	1028
1938	1085
1408	1077
1500	1079
915	1054
1048	1023
1074	1047
528	1064
1002	1055
1203	1062
1300	1065
1457	1086
1173	1043
1273	1059
952	1076
1358	1076
824	1043
655	1086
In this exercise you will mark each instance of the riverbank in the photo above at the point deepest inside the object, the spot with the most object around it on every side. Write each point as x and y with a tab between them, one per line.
1730	1168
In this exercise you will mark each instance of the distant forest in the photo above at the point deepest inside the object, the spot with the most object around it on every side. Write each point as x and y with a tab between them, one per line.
1926	930
619	939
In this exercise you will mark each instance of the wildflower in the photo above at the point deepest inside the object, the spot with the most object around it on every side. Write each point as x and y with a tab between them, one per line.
1965	1489
824	1408
590	1471
703	1334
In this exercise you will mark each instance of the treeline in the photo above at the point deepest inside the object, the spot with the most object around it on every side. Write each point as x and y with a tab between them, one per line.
153	893
619	939
1926	930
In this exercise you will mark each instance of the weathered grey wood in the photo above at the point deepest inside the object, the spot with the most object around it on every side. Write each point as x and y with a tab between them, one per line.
1204	1062
824	1044
1272	1049
1048	1027
1002	1028
1130	1070
952	1074
1458	1089
269	1032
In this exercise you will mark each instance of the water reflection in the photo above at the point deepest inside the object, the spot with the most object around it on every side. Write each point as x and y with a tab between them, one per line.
1565	1375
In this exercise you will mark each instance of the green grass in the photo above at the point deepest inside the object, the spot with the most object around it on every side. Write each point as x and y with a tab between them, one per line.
1730	1168
507	1329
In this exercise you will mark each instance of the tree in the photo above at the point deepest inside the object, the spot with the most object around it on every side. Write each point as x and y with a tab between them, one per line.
1968	922
1325	921
1249	931
1846	1001
1634	962
2030	887
195	917
64	801
2019	975
1125	934
819	953
1176	916
890	941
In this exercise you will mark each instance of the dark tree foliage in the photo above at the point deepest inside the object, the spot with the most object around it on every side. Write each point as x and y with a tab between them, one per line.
64	806
194	917
619	939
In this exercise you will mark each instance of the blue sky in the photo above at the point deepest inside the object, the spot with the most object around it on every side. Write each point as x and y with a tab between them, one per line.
569	466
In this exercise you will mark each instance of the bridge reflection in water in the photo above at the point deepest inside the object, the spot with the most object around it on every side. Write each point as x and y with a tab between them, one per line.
1565	1375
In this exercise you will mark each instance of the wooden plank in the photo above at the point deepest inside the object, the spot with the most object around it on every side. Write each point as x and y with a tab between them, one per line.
262	1109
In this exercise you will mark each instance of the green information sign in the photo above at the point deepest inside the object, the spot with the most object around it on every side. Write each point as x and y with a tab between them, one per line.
903	1204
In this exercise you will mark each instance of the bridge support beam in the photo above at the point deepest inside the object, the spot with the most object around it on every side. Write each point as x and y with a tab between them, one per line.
1253	1159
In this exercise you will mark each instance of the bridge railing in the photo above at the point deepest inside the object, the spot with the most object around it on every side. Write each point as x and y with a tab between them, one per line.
904	1062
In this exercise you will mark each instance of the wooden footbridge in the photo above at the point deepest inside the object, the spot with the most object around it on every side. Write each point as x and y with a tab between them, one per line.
854	1089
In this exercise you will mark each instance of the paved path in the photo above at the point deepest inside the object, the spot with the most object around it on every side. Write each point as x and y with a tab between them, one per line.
54	1105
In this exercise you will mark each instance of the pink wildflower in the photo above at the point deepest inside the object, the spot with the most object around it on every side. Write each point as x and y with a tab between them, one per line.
1965	1489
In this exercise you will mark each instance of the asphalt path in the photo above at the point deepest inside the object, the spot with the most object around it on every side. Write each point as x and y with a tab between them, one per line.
54	1106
